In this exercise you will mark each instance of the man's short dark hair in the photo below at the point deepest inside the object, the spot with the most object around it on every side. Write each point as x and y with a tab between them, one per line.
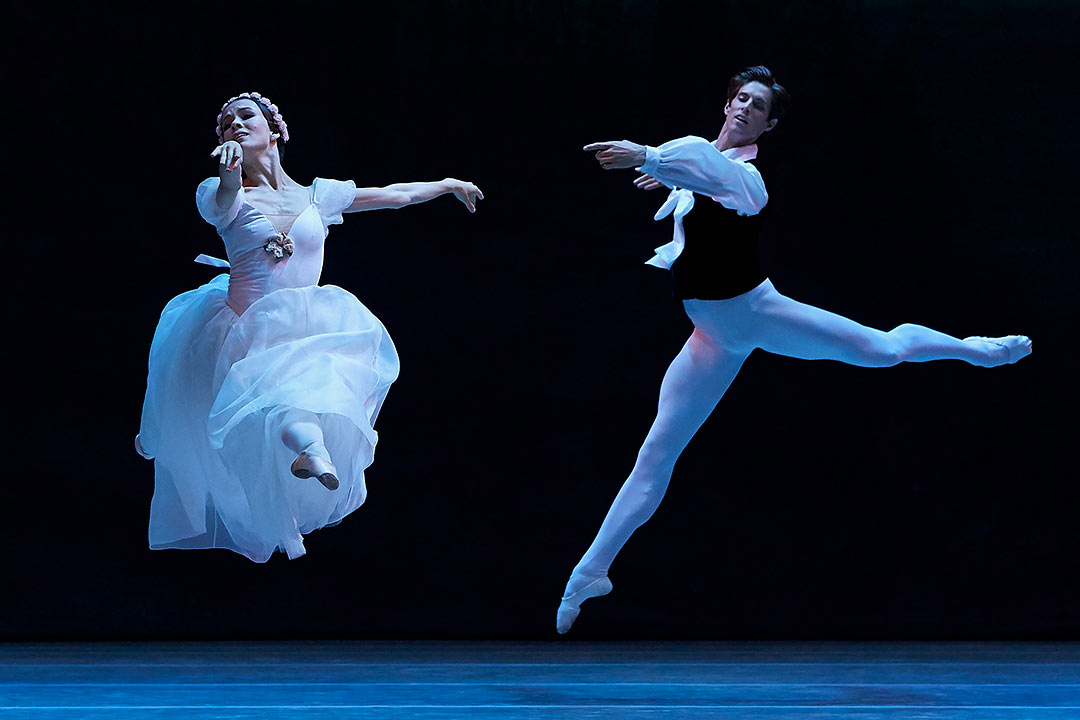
761	74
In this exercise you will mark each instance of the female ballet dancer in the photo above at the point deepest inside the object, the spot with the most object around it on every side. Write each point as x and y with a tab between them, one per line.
733	305
261	378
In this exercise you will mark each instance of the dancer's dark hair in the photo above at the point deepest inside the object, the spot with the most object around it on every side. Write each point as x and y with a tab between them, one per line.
759	73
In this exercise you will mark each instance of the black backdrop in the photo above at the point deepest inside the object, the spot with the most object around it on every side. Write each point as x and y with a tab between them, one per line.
924	175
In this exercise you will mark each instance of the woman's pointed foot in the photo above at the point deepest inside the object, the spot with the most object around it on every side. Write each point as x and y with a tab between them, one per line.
307	465
570	606
1003	350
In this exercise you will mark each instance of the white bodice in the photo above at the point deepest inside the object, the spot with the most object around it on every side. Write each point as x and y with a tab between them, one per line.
254	272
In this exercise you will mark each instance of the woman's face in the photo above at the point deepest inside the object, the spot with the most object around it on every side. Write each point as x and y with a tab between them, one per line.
243	121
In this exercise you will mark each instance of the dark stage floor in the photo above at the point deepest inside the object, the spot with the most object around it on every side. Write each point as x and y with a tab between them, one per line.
539	680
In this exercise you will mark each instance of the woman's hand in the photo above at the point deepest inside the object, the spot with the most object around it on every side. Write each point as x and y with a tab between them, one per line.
617	154
466	192
230	156
647	182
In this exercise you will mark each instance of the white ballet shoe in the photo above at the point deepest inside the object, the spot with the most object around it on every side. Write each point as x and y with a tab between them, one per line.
1016	347
570	606
141	450
307	465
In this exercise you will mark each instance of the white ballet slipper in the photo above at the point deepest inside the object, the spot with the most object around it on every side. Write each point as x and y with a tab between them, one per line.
141	450
307	465
570	606
1016	346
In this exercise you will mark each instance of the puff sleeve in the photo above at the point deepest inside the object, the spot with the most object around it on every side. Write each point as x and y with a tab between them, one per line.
333	197
695	164
206	201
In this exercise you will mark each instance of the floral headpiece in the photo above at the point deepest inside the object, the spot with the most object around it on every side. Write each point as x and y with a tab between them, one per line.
275	114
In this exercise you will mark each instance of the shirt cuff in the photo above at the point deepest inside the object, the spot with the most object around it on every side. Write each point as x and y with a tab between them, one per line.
652	160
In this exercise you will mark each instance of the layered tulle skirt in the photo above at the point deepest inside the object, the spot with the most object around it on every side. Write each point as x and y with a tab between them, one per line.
221	388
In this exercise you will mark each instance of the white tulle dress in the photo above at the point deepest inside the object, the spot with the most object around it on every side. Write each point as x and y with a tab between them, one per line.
233	360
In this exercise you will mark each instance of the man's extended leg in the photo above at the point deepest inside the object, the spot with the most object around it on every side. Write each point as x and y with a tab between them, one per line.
696	380
788	327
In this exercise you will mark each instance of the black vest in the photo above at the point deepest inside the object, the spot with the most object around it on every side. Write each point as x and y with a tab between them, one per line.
720	259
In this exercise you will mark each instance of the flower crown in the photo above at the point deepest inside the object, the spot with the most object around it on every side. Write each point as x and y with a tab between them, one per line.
275	114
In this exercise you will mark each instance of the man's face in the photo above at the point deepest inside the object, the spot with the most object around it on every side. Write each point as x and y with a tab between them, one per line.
748	113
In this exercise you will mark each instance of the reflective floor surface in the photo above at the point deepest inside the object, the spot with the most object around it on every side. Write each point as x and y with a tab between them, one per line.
563	679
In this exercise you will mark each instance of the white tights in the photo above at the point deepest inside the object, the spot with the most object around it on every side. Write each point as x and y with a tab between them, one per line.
301	432
725	332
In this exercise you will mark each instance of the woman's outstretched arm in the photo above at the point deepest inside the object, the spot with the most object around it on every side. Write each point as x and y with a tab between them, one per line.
399	195
230	156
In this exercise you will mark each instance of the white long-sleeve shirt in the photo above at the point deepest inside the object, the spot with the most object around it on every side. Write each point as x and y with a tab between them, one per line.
693	165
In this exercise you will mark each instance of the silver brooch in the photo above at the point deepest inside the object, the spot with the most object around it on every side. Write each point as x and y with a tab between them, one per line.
279	246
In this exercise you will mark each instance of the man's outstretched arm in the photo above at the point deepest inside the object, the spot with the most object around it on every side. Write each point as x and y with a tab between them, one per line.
692	163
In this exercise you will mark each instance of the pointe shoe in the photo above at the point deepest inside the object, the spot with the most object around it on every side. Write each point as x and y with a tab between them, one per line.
570	606
1016	346
307	465
141	450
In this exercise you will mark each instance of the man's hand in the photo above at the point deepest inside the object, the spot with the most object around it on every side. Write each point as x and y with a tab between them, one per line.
647	182
617	154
